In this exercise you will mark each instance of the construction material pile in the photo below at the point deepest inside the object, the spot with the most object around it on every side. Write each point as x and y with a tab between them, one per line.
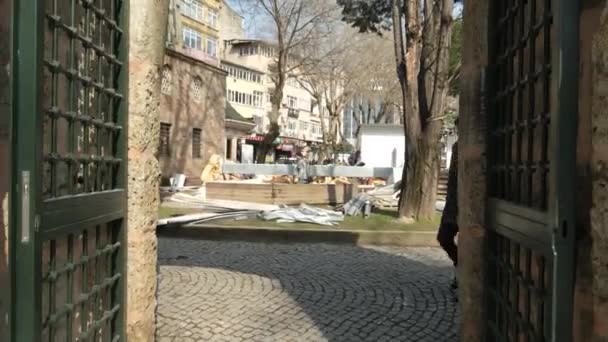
222	209
383	197
212	209
305	214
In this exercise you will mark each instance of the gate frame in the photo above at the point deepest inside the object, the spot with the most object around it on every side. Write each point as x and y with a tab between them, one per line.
25	139
564	132
27	72
560	216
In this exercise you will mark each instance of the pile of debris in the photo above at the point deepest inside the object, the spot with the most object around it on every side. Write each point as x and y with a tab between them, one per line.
383	197
304	214
212	209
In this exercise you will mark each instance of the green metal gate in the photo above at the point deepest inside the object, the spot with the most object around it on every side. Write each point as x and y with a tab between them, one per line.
69	197
533	109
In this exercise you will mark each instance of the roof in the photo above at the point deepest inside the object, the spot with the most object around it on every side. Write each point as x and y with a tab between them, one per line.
382	129
233	114
249	41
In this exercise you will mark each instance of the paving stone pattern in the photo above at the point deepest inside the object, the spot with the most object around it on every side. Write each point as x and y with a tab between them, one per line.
237	291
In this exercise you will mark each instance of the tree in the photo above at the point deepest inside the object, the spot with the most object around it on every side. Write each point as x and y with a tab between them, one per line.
377	95
350	67
422	34
455	56
329	80
295	25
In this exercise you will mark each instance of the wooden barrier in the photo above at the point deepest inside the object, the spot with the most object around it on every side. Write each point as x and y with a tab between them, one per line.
288	194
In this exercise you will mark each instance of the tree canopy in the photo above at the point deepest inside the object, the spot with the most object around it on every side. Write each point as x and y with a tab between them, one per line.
369	15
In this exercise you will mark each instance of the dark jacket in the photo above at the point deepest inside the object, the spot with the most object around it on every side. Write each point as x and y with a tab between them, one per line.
450	212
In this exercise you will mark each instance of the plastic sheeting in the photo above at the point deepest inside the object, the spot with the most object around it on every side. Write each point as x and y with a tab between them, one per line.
304	213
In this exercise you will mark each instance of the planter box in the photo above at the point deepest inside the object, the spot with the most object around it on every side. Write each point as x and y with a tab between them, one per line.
288	194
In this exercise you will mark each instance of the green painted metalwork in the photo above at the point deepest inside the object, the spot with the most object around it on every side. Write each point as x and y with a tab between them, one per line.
532	159
70	151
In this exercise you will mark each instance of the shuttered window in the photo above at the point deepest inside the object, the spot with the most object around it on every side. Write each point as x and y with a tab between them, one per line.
164	148
196	143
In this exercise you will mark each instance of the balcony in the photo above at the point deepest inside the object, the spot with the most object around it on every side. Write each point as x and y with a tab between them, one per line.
201	56
293	113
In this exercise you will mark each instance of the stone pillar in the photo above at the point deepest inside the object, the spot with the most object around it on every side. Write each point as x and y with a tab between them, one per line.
148	23
233	147
471	170
599	174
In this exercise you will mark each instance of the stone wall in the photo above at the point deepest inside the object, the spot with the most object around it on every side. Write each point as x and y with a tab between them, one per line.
4	164
148	20
471	165
186	108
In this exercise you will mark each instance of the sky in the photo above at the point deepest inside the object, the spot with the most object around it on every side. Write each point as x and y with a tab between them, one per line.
253	27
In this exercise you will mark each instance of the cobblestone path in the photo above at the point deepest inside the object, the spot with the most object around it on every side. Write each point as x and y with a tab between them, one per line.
236	291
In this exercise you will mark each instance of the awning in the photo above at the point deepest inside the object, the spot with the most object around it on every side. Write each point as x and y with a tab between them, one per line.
286	147
256	137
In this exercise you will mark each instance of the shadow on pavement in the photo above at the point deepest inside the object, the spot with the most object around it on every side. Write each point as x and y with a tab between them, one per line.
304	292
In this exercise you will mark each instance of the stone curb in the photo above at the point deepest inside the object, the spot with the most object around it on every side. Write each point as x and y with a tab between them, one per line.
266	234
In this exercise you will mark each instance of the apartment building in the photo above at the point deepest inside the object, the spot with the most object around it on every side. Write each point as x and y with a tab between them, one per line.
249	87
194	28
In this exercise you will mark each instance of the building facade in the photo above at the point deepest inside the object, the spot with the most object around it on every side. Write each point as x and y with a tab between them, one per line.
194	28
193	103
249	86
231	25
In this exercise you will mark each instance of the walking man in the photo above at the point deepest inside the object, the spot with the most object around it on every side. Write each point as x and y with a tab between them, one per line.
448	228
302	165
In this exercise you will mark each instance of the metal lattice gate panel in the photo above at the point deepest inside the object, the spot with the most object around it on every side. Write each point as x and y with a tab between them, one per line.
530	108
72	189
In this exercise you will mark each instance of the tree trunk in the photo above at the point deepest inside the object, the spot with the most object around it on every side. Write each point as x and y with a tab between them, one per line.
274	131
418	201
422	65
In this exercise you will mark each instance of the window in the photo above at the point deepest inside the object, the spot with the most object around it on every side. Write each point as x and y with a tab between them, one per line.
254	99
211	47
292	102
291	124
246	75
196	143
258	97
316	129
313	104
267	51
164	148
166	81
192	38
197	89
248	50
212	17
304	126
192	9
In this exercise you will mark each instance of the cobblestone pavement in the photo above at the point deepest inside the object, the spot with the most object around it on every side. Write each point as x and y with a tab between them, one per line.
236	291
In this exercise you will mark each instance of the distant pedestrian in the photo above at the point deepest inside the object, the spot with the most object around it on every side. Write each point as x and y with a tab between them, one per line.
448	228
354	158
302	165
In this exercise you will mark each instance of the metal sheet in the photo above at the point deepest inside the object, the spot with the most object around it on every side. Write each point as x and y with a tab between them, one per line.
313	171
